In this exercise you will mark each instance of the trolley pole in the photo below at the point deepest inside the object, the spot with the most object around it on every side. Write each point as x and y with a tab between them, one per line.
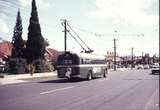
114	54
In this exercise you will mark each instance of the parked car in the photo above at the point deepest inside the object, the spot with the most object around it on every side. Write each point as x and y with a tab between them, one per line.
154	65
146	66
2	67
155	70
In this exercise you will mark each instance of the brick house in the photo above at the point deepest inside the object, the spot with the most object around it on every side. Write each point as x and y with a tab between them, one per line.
5	49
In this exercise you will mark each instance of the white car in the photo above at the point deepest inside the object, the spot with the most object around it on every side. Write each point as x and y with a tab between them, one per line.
146	66
154	65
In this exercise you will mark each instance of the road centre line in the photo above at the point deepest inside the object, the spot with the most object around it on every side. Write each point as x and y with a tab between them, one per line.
151	102
55	90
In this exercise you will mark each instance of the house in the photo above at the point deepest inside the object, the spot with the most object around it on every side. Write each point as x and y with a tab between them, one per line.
6	51
110	59
52	55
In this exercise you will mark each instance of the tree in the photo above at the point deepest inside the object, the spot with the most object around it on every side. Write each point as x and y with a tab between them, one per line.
35	46
17	41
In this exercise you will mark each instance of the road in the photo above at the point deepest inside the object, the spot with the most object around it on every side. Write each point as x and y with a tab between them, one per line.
121	90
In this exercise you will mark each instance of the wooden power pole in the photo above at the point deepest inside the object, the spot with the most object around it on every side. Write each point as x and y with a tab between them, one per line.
114	54
64	23
132	58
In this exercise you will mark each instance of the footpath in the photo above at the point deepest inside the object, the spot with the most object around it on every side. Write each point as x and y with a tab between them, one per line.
12	79
20	78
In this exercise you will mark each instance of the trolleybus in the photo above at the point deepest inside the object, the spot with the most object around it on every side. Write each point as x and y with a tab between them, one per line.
81	65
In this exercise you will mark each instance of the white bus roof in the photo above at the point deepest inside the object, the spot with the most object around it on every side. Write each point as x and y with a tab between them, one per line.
90	55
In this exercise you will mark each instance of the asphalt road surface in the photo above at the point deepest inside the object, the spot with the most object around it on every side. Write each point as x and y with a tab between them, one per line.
121	90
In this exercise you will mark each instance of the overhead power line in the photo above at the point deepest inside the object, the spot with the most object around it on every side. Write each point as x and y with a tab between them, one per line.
90	32
11	2
111	34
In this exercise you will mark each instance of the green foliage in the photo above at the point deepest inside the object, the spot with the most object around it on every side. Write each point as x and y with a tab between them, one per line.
17	65
42	66
35	46
17	41
31	53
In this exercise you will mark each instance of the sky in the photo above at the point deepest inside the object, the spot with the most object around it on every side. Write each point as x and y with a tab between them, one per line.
133	23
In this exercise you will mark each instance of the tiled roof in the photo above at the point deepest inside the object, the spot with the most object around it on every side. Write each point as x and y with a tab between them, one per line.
53	54
5	49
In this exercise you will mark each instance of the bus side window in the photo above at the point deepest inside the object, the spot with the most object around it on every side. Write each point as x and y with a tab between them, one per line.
82	62
87	61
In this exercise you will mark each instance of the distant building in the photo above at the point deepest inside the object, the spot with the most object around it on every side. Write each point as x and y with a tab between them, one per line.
110	59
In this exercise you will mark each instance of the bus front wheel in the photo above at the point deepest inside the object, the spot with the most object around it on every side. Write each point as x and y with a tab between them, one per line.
89	76
104	74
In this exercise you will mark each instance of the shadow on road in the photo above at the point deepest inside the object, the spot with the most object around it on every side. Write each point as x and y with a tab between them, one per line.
75	80
63	80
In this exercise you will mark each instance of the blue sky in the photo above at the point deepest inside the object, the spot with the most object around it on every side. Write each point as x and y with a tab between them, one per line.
95	21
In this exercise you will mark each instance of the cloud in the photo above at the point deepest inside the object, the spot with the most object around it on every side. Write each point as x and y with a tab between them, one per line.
25	3
40	3
130	11
3	26
2	15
